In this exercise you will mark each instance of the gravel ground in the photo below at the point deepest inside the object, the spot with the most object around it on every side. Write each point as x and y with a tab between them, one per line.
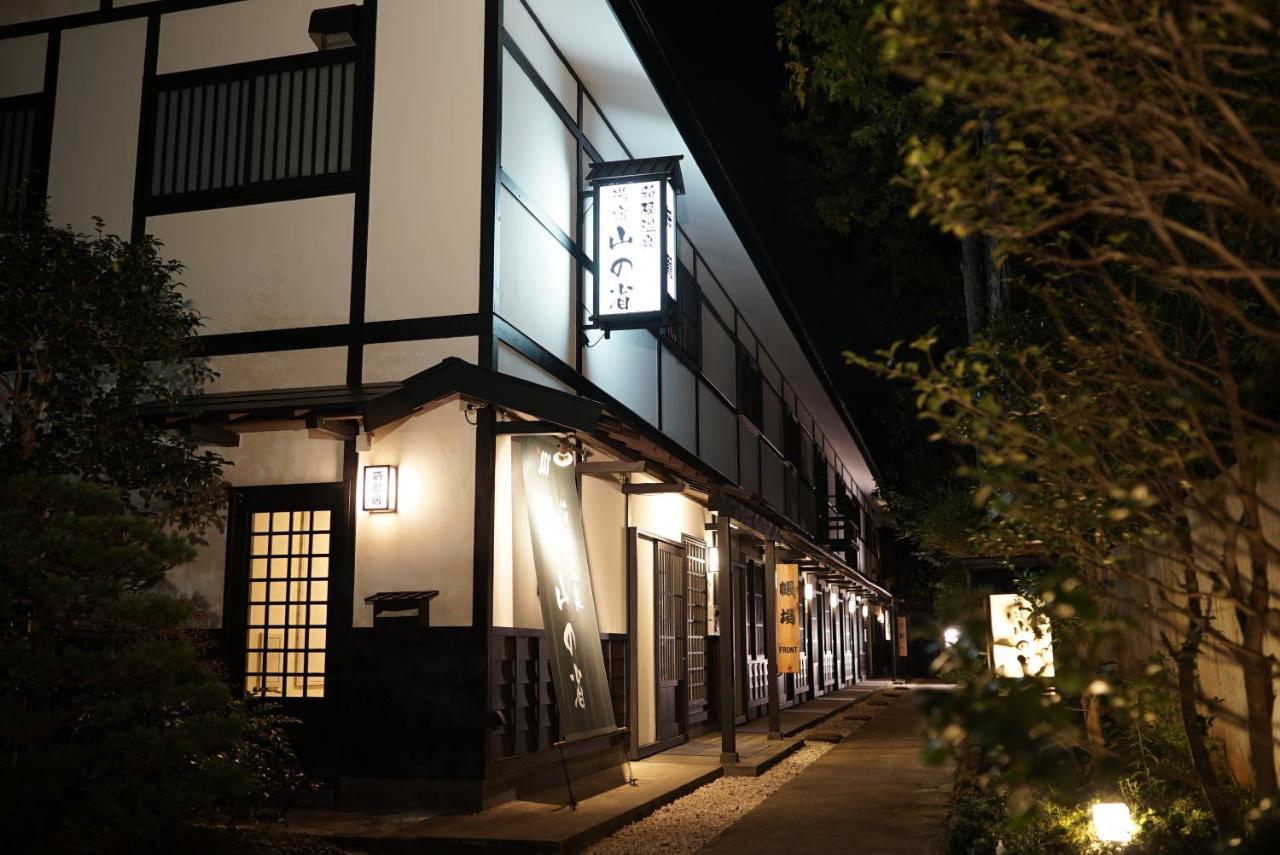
691	822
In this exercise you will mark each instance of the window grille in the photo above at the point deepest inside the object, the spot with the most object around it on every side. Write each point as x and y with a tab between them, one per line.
685	331
254	129
21	160
288	604
696	633
750	389
669	583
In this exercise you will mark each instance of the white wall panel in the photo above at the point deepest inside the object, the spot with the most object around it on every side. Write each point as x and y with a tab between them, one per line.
537	148
718	440
22	65
534	45
679	401
427	544
719	356
772	416
669	515
604	520
597	130
511	362
625	366
287	369
95	125
270	266
424	205
535	280
771	478
237	32
18	11
400	359
684	249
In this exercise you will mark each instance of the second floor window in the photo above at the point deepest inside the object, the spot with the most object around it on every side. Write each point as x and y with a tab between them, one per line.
750	389
685	331
253	132
24	157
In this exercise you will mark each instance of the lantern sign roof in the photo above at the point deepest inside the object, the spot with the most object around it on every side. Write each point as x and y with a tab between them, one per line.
653	168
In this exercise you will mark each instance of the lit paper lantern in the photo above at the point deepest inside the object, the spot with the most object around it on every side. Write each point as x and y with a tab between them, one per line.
380	489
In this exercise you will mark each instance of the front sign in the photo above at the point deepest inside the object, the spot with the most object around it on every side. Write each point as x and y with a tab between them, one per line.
570	631
788	617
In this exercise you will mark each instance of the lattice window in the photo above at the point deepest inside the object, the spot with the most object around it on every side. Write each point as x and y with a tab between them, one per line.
288	604
696	632
669	582
286	124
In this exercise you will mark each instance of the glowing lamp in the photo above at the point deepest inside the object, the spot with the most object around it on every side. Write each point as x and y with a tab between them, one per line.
853	605
865	610
808	590
380	489
563	456
634	204
834	599
950	636
1112	822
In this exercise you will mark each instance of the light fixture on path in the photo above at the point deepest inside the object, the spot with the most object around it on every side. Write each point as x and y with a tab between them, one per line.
1113	823
380	489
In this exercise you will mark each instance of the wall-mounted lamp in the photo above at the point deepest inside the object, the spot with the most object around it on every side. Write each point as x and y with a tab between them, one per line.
865	610
564	455
950	636
335	27
808	590
853	604
380	489
834	598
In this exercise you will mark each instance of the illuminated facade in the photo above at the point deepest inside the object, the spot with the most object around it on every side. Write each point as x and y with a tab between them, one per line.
389	220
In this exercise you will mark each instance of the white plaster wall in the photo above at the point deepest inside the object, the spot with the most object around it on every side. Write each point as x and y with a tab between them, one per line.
503	529
625	365
95	125
719	356
235	32
427	544
604	519
534	45
647	713
748	457
424	205
400	359
288	369
718	442
511	362
17	11
269	266
600	135
22	65
668	515
270	457
537	148
679	401
535	280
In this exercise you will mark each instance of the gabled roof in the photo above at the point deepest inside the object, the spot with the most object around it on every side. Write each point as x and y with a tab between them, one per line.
645	167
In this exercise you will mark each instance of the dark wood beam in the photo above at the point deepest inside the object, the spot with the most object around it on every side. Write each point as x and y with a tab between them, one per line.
321	428
208	434
660	487
771	635
610	467
724	600
527	428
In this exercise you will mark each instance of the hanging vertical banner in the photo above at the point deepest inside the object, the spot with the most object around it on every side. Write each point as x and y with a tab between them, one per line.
902	635
570	631
788	617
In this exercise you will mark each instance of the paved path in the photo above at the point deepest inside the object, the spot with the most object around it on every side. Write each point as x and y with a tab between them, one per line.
870	795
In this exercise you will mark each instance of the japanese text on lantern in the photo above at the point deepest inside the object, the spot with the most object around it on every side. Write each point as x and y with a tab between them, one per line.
632	267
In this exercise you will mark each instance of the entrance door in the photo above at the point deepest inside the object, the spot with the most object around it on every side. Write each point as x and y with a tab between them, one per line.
669	632
695	562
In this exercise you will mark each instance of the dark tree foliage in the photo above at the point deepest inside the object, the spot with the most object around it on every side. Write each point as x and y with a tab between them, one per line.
114	729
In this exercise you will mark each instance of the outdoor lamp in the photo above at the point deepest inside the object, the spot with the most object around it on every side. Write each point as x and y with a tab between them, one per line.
950	636
834	599
380	489
1112	822
808	590
865	610
335	27
853	604
564	455
634	218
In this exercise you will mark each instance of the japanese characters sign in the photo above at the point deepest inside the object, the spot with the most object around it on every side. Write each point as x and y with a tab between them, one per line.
788	582
570	631
630	249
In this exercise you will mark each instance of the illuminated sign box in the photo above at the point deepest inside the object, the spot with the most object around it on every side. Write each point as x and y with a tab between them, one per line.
634	204
1021	643
380	489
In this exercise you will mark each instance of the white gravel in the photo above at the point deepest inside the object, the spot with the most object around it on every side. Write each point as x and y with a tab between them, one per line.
693	821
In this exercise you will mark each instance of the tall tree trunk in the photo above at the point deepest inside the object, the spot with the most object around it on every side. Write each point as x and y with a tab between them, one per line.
996	285
975	304
1259	690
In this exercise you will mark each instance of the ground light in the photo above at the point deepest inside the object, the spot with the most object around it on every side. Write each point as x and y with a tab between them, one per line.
1112	822
950	636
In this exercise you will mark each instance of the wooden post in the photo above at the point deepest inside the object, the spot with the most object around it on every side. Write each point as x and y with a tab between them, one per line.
771	634
633	645
724	600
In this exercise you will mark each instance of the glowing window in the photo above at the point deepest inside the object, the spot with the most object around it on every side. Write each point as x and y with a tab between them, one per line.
288	604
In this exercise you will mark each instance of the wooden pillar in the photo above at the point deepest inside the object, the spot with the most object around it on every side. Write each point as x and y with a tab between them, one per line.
633	643
771	634
724	599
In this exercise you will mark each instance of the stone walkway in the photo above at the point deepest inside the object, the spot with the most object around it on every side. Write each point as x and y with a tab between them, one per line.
871	795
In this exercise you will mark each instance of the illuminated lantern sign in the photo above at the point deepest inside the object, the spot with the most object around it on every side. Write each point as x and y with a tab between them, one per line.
1021	643
635	241
380	489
